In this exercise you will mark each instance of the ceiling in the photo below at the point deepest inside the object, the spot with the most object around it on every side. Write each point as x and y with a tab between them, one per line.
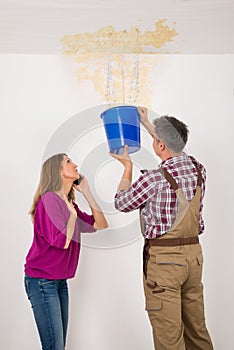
37	26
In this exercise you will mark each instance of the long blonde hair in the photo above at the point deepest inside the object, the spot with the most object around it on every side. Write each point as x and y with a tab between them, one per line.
50	180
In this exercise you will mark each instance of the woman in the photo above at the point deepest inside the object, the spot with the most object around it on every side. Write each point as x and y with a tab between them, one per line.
53	256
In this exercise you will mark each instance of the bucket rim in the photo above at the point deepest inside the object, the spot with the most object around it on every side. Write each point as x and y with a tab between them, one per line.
118	107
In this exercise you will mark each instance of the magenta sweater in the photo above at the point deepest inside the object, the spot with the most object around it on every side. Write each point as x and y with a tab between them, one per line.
47	257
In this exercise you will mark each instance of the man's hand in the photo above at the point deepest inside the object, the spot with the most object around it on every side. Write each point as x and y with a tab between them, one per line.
143	112
124	158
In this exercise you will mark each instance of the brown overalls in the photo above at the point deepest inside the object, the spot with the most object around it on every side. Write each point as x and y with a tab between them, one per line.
172	279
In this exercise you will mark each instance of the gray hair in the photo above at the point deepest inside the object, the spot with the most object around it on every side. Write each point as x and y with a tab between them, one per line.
172	132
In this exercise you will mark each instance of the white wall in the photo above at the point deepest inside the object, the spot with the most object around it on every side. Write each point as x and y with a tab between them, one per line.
39	96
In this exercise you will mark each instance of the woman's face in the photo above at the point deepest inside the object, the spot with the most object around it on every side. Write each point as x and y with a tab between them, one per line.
69	169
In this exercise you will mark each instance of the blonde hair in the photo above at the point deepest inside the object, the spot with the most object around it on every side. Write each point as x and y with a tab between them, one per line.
50	180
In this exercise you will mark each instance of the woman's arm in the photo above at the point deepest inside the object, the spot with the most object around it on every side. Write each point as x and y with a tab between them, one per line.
100	222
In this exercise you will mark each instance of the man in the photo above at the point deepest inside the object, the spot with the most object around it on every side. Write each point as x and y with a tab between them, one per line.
170	200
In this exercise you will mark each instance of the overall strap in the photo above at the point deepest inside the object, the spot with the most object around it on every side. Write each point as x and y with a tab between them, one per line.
169	178
173	182
199	175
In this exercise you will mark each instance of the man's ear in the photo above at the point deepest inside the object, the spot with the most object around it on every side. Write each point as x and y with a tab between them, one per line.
161	145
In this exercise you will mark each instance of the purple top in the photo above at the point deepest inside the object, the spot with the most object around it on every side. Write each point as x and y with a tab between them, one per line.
47	257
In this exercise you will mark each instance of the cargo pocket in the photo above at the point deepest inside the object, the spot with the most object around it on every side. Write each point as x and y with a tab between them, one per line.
154	310
170	260
153	305
170	270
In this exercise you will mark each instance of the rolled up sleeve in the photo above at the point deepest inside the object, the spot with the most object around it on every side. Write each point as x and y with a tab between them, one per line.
86	221
136	196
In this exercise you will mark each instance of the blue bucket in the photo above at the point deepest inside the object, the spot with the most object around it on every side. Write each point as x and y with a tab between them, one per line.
122	127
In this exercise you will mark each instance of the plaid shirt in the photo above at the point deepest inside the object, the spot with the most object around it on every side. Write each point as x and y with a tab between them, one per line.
157	199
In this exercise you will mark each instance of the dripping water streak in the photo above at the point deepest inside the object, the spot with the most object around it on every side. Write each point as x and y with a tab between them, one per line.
108	93
137	87
123	82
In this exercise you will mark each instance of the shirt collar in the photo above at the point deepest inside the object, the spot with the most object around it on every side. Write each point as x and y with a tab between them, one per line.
174	160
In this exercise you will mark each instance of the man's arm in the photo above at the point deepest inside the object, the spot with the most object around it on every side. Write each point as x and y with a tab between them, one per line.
126	161
145	121
131	197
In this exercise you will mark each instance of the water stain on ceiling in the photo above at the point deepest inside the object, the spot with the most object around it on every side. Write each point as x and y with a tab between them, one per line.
118	62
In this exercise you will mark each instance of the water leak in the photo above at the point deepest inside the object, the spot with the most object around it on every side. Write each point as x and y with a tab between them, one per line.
119	62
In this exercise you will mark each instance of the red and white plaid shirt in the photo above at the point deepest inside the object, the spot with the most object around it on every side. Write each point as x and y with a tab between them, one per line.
153	193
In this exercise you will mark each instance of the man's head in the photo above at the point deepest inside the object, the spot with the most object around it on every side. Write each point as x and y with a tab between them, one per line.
171	136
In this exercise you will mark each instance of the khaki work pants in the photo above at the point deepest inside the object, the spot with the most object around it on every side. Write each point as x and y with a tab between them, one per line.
174	298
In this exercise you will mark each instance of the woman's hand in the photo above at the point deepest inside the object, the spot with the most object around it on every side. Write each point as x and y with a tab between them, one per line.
70	206
83	185
124	158
99	218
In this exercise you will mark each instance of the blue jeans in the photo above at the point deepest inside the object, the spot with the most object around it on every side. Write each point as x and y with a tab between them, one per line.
49	300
